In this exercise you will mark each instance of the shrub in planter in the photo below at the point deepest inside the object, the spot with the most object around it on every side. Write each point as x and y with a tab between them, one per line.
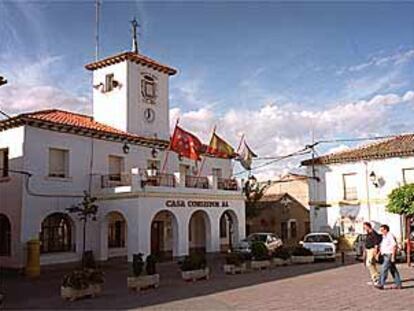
137	264
282	253
259	251
235	263
151	265
301	251
195	261
81	283
194	267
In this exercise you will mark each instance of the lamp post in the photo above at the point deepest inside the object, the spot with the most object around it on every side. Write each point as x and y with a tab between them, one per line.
3	81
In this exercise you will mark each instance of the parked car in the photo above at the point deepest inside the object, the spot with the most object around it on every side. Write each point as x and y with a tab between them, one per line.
322	245
271	240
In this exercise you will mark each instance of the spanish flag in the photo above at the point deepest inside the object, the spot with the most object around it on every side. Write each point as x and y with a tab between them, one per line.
220	148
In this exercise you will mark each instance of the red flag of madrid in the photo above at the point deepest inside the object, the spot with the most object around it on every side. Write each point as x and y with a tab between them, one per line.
186	144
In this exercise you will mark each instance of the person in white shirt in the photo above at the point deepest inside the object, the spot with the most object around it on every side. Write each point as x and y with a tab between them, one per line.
388	250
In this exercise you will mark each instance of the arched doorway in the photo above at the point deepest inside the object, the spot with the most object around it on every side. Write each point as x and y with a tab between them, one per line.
117	234
5	236
164	235
199	232
229	234
57	234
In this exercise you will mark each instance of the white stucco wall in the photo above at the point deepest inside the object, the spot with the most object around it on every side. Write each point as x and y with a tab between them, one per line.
371	202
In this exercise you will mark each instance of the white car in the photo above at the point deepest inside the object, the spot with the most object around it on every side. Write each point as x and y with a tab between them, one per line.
322	245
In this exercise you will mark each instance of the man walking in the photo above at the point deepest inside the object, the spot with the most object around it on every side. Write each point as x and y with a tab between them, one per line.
372	243
388	249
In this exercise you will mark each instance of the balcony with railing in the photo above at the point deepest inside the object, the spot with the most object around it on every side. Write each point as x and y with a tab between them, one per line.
115	180
144	180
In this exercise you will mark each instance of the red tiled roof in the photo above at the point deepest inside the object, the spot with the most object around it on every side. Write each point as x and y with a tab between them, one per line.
134	57
399	146
69	122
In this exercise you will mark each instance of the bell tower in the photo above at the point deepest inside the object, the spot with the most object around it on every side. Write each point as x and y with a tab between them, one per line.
130	92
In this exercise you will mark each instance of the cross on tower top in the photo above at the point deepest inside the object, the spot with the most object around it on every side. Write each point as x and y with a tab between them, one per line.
134	26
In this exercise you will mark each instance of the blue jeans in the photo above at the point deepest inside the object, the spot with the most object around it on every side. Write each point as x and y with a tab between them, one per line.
387	265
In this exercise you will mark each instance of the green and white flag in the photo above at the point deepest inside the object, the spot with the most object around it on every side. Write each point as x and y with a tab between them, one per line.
246	157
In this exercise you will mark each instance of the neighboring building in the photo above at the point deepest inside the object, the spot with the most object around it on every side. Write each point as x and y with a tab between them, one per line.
353	186
48	158
294	184
281	214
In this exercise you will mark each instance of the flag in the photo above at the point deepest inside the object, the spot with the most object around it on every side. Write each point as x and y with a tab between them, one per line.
219	147
246	157
185	144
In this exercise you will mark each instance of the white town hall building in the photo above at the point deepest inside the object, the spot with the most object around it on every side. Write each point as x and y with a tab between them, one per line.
48	158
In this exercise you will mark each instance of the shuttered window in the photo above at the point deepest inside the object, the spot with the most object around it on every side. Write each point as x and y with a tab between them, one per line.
58	163
116	167
350	187
4	162
408	174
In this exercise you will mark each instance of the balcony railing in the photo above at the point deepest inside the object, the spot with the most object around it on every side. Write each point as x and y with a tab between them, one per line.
115	180
227	184
161	180
200	182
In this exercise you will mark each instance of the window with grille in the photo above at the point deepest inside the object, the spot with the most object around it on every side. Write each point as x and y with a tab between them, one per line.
115	167
116	234
408	175
148	87
4	162
350	187
109	82
58	163
56	234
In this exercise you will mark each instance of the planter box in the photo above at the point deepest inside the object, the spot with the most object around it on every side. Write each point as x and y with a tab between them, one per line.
72	294
144	281
233	269
260	264
279	262
195	275
302	259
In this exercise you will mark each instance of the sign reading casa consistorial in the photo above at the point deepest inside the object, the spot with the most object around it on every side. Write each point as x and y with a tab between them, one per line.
183	203
152	198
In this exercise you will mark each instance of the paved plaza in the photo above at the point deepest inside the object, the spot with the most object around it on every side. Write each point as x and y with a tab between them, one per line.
319	286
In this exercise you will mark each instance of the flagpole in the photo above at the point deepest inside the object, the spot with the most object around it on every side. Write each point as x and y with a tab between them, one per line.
204	157
237	152
169	147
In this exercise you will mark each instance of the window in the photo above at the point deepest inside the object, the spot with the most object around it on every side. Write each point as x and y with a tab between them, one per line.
293	229
5	236
284	230
217	172
109	82
58	163
4	162
350	187
56	234
148	87
115	168
408	175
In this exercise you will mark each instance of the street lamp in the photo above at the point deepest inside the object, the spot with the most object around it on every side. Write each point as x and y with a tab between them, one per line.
3	81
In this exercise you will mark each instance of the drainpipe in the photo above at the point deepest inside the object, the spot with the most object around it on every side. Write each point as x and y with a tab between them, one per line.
367	187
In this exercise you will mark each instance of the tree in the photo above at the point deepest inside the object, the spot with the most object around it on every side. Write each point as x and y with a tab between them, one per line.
87	209
401	201
253	192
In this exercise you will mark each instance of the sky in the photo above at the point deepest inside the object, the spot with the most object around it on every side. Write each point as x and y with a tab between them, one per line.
279	72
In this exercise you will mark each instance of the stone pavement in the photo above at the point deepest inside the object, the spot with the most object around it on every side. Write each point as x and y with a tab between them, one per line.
319	286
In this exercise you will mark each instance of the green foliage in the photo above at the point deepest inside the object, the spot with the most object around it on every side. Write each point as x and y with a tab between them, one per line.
81	279
401	200
195	261
301	251
236	259
282	253
151	265
85	209
253	192
260	251
137	264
